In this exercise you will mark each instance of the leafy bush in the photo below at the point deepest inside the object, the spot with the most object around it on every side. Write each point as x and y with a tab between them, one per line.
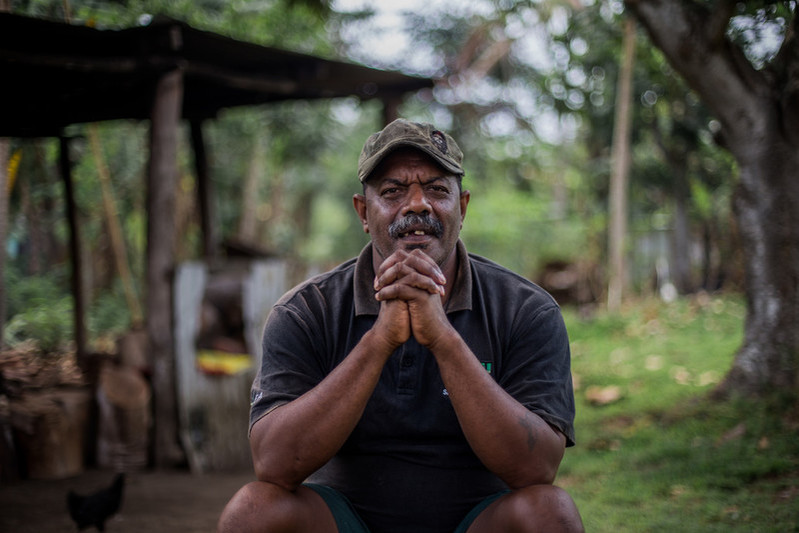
47	322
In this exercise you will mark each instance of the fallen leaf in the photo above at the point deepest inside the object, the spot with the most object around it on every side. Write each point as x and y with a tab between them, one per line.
734	434
603	395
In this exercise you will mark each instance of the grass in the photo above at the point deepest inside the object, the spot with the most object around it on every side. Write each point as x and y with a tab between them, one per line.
653	452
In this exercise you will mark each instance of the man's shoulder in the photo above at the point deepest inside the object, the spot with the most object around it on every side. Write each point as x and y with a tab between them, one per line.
493	277
327	286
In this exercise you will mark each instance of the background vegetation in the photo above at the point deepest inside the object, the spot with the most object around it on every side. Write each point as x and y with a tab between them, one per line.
534	119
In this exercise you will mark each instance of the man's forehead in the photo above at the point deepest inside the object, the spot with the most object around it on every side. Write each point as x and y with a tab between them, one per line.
409	159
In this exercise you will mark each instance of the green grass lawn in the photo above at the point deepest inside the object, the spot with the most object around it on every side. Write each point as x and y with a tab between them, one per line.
653	452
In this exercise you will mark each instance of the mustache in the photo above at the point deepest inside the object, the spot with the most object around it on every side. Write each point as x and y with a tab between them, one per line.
424	222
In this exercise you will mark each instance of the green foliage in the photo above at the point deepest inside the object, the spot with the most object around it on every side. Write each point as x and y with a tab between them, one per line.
47	322
108	314
292	24
21	290
519	230
665	456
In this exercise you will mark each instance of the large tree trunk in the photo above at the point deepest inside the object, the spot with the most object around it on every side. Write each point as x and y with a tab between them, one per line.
766	207
757	110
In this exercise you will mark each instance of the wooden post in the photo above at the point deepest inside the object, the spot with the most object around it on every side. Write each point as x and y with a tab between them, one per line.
161	194
204	190
4	190
391	109
75	253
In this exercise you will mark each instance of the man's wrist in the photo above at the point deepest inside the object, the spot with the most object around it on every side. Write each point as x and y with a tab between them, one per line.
379	343
448	342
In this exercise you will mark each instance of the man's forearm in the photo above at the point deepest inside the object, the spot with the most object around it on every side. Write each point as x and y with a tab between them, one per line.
517	445
297	438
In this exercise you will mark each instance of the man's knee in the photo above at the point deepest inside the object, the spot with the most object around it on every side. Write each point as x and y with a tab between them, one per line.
543	508
257	506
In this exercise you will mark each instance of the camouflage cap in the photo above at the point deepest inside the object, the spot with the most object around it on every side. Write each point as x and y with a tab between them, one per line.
425	137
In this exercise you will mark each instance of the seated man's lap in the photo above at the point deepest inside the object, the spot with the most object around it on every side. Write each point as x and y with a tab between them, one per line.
348	521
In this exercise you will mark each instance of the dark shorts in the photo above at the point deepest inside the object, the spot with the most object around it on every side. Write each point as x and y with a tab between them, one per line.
348	521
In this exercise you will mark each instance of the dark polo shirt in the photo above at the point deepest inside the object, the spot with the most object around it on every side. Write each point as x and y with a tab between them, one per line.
407	465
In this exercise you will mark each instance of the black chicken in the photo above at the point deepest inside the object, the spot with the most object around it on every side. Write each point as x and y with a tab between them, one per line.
94	509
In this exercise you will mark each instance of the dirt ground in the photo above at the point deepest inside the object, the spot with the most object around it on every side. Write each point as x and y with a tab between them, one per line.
154	502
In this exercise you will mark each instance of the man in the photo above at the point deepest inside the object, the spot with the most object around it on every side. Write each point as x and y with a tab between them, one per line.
416	388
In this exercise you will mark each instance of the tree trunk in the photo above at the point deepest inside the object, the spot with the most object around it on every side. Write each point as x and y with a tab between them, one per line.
757	110
620	159
114	227
250	192
681	240
766	206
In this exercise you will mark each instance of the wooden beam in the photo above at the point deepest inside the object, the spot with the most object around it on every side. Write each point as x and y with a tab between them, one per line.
79	309
161	194
204	190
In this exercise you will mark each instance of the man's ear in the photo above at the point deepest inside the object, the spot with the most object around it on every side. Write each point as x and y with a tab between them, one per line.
464	199
359	203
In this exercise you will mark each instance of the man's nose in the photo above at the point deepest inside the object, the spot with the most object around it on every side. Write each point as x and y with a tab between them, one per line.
417	201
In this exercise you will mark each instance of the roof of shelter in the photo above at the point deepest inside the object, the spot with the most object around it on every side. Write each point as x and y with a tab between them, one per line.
56	74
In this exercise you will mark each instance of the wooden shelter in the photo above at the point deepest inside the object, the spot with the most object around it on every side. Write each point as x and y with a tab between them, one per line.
57	74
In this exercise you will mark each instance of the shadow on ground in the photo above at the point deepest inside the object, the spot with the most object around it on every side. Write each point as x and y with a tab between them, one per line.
154	502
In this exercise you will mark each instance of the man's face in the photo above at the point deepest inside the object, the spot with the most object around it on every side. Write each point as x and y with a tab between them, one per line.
410	202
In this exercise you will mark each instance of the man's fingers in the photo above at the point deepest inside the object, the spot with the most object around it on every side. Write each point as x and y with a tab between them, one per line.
399	271
407	288
402	263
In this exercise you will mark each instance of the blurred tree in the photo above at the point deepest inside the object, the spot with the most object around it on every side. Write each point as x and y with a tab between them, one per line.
618	279
673	153
727	52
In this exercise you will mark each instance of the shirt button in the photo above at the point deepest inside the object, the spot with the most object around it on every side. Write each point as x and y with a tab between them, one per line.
407	361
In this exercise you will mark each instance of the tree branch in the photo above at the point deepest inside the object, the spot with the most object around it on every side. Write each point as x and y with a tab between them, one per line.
693	42
785	67
719	18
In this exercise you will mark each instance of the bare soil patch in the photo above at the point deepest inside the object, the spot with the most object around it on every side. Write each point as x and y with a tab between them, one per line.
154	502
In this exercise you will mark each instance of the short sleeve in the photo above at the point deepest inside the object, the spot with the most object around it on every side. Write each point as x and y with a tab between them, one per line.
289	365
537	367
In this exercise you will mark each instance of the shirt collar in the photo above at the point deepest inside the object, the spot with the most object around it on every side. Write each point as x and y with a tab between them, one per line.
365	303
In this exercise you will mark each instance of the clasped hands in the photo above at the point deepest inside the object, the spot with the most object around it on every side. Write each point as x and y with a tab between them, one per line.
410	287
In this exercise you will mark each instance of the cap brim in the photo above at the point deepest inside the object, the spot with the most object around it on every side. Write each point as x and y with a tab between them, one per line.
372	163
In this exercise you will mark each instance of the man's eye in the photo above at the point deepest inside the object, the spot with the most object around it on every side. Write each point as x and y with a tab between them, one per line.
390	190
